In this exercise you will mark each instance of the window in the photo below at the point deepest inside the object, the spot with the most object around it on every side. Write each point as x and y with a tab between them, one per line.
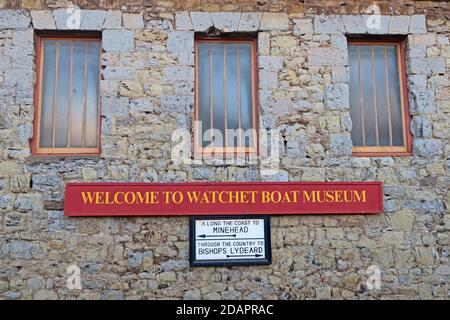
67	111
378	103
225	93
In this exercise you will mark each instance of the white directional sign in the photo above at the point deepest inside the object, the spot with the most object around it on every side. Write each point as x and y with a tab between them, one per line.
231	240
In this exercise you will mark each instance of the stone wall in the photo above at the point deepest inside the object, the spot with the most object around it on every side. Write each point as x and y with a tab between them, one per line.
147	93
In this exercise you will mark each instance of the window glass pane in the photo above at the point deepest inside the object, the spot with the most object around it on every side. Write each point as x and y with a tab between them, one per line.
381	95
218	90
224	84
355	97
394	94
77	106
232	93
47	94
368	97
62	93
204	85
92	88
246	89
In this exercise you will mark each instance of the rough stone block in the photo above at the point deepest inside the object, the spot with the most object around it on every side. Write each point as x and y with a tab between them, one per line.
133	20
377	24
263	43
417	24
341	145
113	106
119	73
427	148
92	19
226	21
180	73
118	40
328	24
183	21
421	127
113	20
327	56
270	63
42	20
303	26
201	21
250	21
180	41
354	24
422	100
268	79
339	41
337	96
14	19
20	184
274	22
176	103
399	25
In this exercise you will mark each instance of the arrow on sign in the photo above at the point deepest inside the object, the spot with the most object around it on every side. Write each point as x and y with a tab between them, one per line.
244	255
216	235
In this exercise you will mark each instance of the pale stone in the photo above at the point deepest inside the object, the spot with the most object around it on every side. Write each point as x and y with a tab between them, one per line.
201	21
284	41
92	19
337	96
113	20
270	63
118	40
303	26
328	24
274	22
403	220
131	89
133	20
424	256
180	41
341	145
377	24
399	25
427	148
354	24
327	56
226	21
119	73
20	183
183	21
417	24
263	43
14	19
42	20
250	21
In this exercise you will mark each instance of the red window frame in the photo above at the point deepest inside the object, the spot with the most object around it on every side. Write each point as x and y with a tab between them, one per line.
34	143
406	149
199	150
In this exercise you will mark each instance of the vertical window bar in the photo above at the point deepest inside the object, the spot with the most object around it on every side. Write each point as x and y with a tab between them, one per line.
363	134
99	111
400	76
374	91
83	131
225	92
388	96
69	109
54	95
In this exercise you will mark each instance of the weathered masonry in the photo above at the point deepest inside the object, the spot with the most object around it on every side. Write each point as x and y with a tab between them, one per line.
99	95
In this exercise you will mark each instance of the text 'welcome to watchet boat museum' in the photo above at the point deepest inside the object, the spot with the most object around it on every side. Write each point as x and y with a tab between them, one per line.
224	150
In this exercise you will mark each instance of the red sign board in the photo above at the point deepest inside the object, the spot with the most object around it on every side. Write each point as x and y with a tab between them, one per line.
219	198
